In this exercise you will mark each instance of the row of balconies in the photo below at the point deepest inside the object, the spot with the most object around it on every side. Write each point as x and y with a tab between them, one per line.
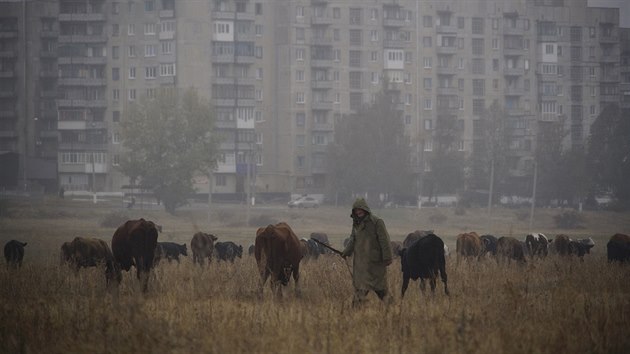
83	38
231	58
76	17
71	81
82	103
231	16
80	125
82	60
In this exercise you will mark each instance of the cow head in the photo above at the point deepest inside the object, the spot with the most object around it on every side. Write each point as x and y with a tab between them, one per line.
285	273
239	251
183	249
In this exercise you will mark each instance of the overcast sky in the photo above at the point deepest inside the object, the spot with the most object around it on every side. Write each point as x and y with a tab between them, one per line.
623	5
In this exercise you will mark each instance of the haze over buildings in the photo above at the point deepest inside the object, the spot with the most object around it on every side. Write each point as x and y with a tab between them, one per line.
281	73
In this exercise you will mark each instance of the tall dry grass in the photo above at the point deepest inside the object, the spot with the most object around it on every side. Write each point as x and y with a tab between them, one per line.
551	305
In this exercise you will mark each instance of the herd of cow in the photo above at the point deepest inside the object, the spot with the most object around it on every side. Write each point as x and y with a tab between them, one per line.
278	252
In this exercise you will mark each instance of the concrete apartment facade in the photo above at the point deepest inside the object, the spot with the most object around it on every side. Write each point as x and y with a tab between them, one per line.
280	73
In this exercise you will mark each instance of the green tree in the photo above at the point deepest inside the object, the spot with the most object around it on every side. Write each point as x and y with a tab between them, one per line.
447	164
609	153
370	152
167	140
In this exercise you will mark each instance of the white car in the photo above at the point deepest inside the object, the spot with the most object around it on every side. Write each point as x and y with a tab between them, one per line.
304	202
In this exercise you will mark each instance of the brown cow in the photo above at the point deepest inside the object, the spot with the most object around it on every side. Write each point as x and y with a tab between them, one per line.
415	236
278	254
90	252
619	248
134	243
468	245
561	245
511	249
202	245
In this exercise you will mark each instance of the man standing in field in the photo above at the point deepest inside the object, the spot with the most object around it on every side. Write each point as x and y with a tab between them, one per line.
369	244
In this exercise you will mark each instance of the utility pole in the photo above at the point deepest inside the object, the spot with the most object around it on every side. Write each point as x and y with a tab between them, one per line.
491	188
531	211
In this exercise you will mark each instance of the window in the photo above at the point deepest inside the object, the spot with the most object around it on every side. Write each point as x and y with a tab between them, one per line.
355	16
132	72
299	75
300	119
299	97
115	8
220	180
115	52
479	87
478	66
299	33
131	94
167	69
373	35
167	47
258	30
428	145
115	94
115	116
355	80
477	46
427	83
299	11
461	23
479	105
336	12
149	29
131	51
115	30
495	43
116	138
337	54
373	14
355	37
460	84
150	72
299	54
428	124
258	8
131	29
427	21
259	95
149	50
148	5
354	58
427	62
477	25
428	105
549	49
460	145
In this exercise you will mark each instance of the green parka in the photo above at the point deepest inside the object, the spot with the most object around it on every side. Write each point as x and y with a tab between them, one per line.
369	244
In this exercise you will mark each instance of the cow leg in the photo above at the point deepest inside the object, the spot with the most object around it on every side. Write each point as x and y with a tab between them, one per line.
432	283
405	284
296	278
423	286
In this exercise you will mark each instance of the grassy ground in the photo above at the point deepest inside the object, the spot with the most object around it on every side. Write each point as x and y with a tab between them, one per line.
548	306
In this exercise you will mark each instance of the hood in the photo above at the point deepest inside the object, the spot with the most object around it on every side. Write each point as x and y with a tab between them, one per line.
360	203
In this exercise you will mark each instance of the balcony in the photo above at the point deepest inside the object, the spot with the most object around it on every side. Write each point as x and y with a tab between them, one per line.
81	81
513	51
167	13
82	103
322	105
446	70
49	34
514	91
8	34
233	81
49	54
48	94
319	148
514	71
167	80
549	117
8	53
225	168
225	124
394	43
323	127
394	22
83	168
48	73
231	102
610	58
515	112
321	63
80	125
321	84
450	91
608	39
82	146
445	29
547	38
81	17
82	60
609	98
322	20
7	113
446	50
166	35
321	41
83	38
6	74
513	31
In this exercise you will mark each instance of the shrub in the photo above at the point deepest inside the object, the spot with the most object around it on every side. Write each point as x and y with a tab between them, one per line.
438	218
114	219
568	219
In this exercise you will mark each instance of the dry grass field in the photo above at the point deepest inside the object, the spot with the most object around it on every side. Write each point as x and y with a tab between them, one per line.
552	305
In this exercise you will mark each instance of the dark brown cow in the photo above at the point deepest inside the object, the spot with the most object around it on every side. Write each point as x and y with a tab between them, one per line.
90	252
14	253
278	254
538	244
468	245
134	243
619	248
202	246
561	245
396	246
511	249
415	236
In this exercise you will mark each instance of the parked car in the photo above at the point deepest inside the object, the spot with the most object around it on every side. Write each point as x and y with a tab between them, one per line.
304	202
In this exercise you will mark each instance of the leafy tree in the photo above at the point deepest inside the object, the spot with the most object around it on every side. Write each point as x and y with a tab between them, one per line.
447	164
489	150
609	153
168	139
369	153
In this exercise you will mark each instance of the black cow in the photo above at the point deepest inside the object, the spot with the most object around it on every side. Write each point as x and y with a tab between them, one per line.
619	248
14	253
414	236
488	245
170	251
228	251
424	259
251	250
312	249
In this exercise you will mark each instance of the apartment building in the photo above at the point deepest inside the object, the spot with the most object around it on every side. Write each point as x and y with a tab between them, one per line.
28	79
